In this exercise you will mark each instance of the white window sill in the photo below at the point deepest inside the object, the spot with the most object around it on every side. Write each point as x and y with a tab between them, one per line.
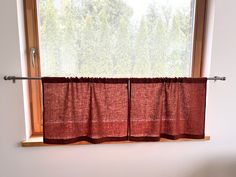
35	141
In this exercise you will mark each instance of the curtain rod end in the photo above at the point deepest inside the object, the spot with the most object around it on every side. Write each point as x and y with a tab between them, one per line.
13	78
215	78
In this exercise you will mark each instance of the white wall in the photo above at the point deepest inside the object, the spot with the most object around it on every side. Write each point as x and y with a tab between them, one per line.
175	159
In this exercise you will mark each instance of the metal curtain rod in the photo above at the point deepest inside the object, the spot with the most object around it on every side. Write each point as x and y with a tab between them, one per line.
14	78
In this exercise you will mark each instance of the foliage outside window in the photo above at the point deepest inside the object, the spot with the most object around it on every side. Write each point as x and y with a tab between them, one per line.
116	38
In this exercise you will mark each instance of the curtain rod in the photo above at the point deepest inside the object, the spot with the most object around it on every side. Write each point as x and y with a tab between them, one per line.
14	78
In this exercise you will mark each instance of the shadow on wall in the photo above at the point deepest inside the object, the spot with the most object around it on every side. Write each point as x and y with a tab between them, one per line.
217	167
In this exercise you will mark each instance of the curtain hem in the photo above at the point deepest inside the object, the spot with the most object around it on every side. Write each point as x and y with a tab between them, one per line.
125	138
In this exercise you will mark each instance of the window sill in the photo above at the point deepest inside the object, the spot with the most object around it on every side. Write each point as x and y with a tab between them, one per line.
36	141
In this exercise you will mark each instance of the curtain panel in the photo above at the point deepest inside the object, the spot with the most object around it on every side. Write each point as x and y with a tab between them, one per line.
167	107
108	109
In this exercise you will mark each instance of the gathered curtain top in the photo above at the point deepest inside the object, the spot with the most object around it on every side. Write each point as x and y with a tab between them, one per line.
123	80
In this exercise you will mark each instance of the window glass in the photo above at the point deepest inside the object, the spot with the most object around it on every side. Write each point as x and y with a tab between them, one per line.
116	38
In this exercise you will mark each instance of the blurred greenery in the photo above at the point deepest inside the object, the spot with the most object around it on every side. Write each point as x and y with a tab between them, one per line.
100	38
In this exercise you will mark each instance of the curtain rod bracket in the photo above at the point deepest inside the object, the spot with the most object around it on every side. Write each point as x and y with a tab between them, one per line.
216	78
13	78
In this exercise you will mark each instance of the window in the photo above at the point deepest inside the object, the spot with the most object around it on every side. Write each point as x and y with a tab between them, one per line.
112	38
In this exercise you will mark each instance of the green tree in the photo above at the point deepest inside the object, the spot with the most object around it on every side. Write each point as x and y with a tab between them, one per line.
68	26
49	34
142	66
98	38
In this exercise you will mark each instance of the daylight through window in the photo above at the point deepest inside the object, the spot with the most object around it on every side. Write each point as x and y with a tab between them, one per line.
116	38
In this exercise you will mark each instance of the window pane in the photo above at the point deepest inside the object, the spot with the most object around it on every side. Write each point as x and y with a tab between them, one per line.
116	38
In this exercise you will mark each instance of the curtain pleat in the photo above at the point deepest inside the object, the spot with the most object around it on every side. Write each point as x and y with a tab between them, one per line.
98	109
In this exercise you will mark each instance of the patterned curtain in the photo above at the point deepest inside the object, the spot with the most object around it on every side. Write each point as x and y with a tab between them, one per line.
99	109
169	108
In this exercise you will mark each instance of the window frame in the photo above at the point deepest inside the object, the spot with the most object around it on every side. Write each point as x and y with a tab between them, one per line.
32	41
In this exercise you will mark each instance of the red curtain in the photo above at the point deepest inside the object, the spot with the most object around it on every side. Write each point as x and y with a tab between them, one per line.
98	110
93	110
169	108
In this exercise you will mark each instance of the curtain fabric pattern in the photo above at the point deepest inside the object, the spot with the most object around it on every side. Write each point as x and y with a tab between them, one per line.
103	109
169	108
